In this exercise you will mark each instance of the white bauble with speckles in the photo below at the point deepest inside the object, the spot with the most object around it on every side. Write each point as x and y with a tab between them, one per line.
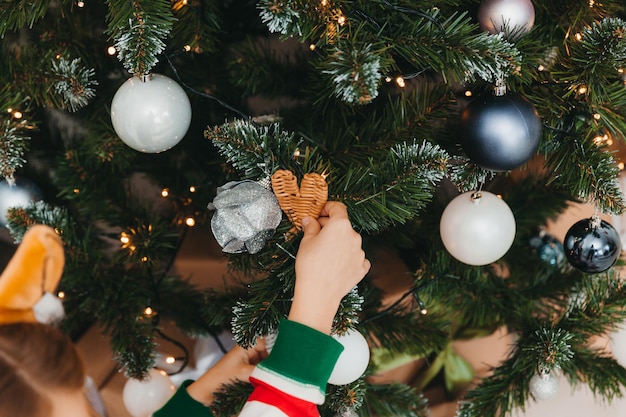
477	230
151	115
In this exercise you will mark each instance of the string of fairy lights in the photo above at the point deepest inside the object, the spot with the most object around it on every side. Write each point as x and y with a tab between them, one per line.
190	217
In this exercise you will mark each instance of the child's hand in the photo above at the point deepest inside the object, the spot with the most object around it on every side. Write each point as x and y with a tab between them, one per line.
329	263
236	365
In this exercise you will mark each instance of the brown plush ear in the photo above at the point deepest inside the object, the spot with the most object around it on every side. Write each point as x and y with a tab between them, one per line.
35	268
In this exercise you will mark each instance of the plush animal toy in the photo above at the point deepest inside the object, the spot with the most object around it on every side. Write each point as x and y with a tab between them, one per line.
28	282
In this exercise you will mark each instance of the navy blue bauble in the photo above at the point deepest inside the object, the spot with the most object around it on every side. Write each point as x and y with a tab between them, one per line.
548	249
500	133
592	246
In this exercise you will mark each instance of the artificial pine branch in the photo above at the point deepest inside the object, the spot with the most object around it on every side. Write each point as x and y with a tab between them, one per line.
587	171
16	14
74	82
258	151
230	400
139	28
343	398
395	399
196	26
394	190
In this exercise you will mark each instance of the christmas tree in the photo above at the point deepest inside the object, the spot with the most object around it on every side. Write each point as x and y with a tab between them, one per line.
451	130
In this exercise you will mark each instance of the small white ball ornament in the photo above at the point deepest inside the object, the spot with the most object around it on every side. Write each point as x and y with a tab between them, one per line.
142	398
477	228
353	360
152	114
543	386
514	17
19	192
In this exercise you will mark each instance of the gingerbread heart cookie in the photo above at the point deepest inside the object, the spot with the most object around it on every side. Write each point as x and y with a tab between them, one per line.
299	202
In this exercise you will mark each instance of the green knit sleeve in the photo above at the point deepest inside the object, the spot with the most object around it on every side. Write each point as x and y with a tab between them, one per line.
302	354
181	404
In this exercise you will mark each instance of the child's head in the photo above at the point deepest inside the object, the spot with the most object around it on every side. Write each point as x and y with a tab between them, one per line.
41	373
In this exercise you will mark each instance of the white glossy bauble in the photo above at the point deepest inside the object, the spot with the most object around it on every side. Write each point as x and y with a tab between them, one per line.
142	398
618	344
477	231
151	116
353	360
543	386
514	17
20	194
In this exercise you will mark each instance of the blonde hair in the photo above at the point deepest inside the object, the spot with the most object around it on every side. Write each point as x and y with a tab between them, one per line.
35	360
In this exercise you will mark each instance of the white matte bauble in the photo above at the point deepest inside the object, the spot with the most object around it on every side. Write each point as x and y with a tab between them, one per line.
618	344
477	228
353	360
142	398
543	386
513	17
19	194
151	115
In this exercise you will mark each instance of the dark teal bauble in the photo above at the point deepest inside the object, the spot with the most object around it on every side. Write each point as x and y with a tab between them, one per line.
549	249
592	245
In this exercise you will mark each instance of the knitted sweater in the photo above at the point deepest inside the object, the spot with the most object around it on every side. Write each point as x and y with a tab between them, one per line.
290	382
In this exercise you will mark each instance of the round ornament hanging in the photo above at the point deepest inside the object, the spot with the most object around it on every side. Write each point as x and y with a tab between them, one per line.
17	192
353	360
548	248
543	385
500	132
246	215
151	114
592	245
512	17
477	228
142	398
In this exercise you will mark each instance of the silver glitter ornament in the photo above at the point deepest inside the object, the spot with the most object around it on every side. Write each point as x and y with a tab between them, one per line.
246	215
513	17
543	386
20	193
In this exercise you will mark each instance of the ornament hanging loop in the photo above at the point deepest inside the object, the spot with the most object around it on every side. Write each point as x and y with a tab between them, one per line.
499	89
10	179
477	195
595	221
145	77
